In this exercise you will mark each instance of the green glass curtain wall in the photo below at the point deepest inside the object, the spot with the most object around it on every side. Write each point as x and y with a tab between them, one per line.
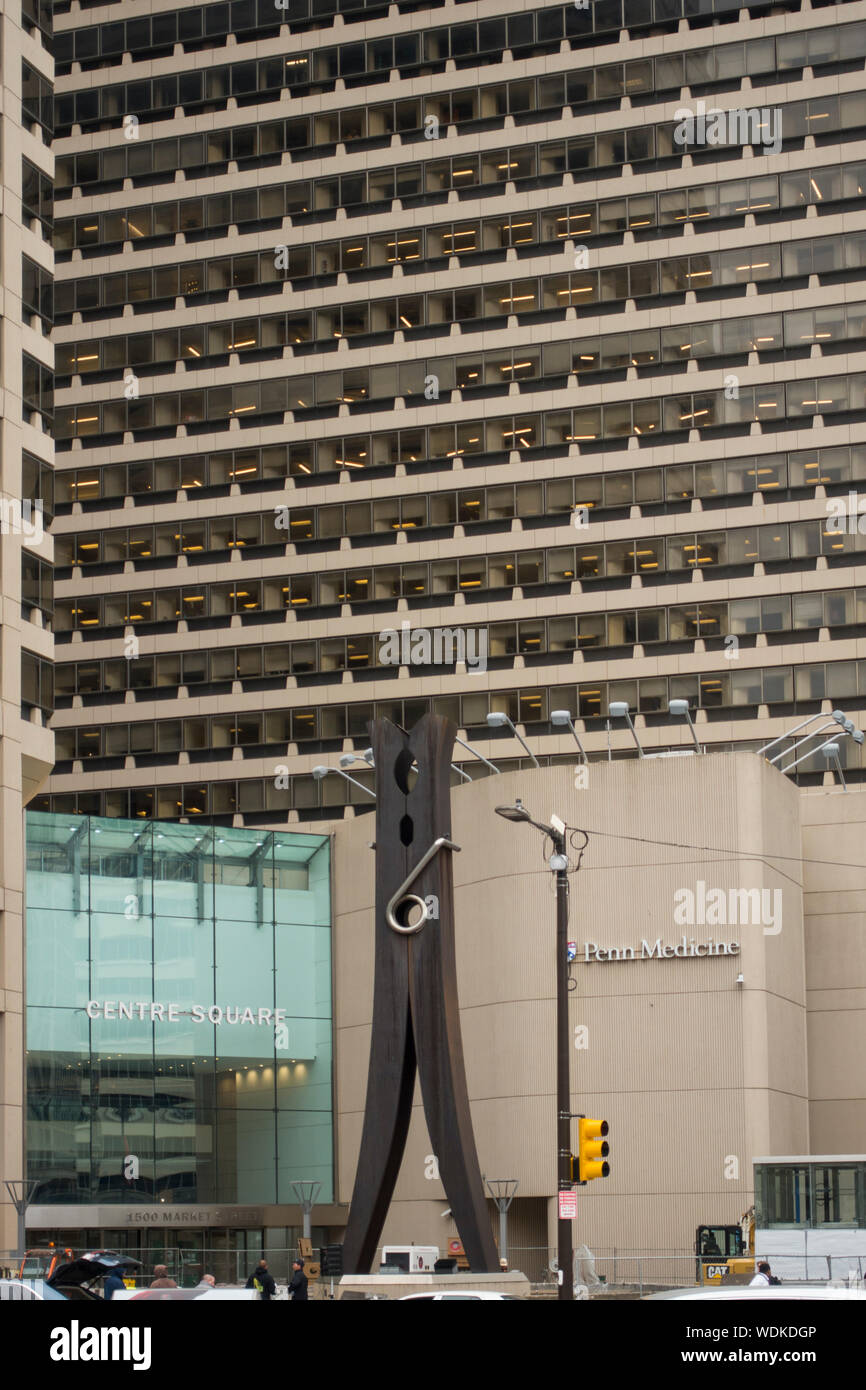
179	1029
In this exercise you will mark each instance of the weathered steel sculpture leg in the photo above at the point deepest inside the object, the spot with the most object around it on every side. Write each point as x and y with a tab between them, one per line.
416	1018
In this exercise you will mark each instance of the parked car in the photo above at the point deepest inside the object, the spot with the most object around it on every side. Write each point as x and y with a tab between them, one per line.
742	1292
473	1295
28	1291
80	1279
188	1295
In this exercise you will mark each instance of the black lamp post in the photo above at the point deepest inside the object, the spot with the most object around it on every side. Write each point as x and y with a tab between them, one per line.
559	865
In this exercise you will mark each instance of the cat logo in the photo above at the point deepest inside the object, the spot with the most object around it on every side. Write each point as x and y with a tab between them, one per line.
716	1271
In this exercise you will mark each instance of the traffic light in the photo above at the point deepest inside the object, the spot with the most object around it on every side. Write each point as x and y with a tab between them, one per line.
592	1149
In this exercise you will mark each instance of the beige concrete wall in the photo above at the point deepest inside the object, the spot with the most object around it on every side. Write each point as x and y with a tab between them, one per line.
694	1073
26	746
834	849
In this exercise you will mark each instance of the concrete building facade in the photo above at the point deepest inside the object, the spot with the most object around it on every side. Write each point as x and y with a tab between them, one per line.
26	501
466	319
717	1007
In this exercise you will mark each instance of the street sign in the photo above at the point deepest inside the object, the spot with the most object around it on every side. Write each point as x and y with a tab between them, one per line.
568	1206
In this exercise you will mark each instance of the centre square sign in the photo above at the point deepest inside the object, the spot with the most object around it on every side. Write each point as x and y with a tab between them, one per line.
687	947
116	1010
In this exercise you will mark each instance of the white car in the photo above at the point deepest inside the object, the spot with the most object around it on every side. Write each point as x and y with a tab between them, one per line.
472	1294
28	1291
742	1292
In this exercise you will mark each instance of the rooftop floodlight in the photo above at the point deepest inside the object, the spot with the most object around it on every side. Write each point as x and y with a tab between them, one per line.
856	734
618	709
475	753
831	753
562	719
838	719
321	771
837	715
498	720
679	709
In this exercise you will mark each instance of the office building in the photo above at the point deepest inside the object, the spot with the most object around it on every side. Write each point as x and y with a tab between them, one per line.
26	501
490	358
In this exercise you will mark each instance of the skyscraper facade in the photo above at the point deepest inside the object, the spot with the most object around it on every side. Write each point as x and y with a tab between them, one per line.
500	359
26	498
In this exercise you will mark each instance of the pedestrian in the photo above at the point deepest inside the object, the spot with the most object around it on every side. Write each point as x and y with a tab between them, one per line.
112	1284
161	1279
205	1284
298	1283
763	1278
262	1279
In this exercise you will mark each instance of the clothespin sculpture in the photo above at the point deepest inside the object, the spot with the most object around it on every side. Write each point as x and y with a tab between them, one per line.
416	1019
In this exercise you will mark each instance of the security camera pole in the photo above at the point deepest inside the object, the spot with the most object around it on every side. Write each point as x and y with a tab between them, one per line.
559	864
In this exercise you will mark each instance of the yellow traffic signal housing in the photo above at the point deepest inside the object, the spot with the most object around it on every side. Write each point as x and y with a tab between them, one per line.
592	1149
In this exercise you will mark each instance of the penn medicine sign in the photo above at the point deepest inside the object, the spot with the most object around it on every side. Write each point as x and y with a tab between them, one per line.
686	947
113	1009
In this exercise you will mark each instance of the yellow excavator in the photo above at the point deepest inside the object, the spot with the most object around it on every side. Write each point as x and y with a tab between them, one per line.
726	1254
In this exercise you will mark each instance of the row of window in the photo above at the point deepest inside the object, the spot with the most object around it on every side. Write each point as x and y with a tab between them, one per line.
376	124
254	665
37	291
256	145
419	182
37	389
257	403
102	45
320	12
612	14
255	274
37	14
474	575
37	102
37	197
203	345
842	681
357	64
37	684
37	587
534	502
154	36
412	247
37	484
218	471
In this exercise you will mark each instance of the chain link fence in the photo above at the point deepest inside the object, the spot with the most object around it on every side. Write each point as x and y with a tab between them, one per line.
614	1270
645	1271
